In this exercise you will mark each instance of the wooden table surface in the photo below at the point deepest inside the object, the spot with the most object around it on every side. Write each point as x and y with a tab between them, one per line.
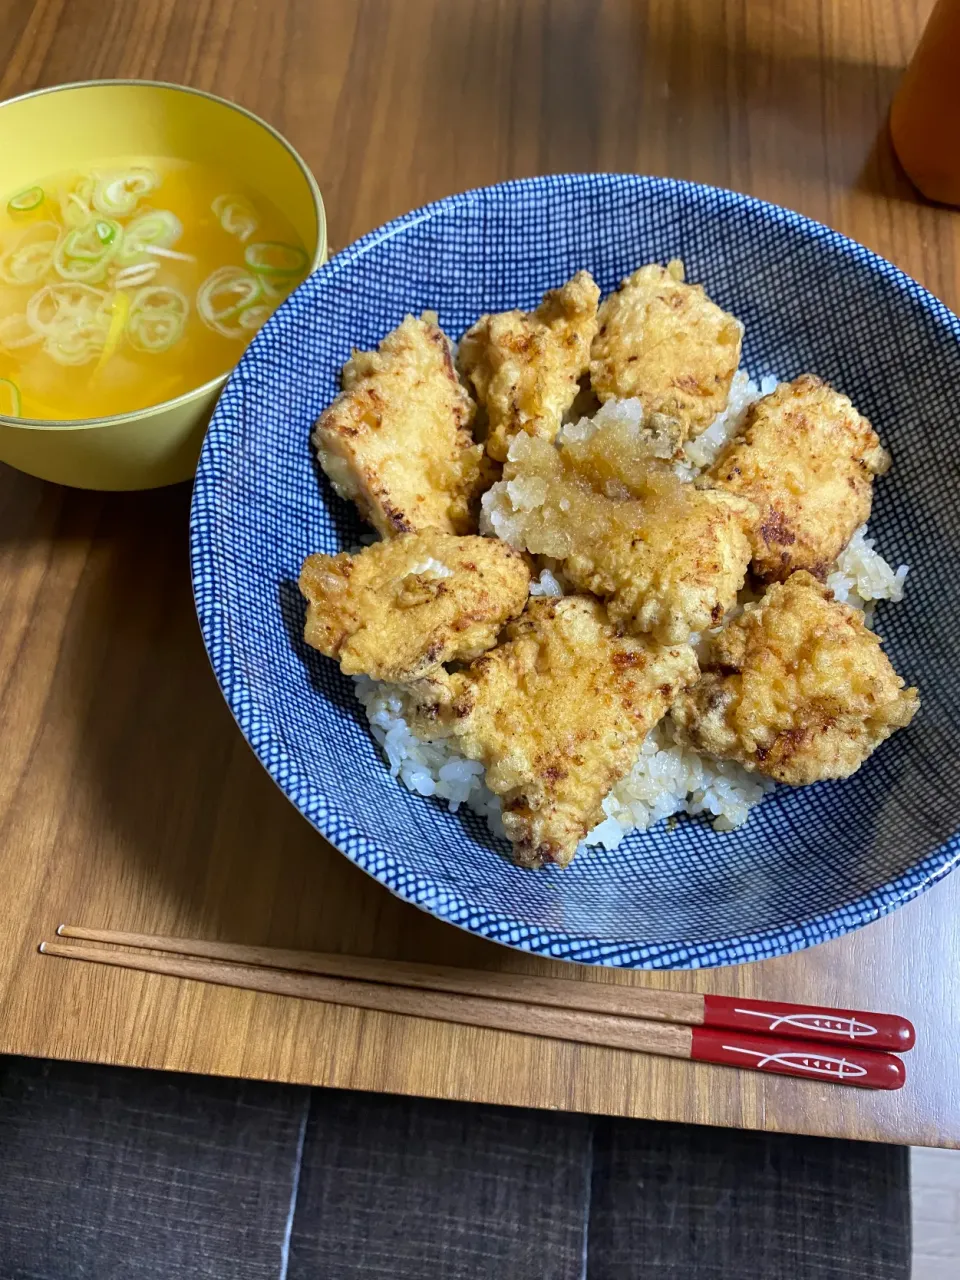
128	798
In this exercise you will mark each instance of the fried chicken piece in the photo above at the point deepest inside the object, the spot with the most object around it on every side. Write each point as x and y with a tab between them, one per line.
525	366
796	688
556	715
807	459
401	608
665	343
397	439
668	557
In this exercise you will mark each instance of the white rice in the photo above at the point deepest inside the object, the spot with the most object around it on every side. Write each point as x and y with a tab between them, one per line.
861	576
429	568
426	768
744	392
667	779
548	584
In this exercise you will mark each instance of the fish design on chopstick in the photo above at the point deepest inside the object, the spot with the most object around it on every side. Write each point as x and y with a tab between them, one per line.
839	1025
818	1064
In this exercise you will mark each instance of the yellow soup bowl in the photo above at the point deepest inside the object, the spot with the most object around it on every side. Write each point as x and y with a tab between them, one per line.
76	124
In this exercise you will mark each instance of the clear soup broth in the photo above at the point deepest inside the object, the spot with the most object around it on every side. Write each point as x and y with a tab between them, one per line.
131	283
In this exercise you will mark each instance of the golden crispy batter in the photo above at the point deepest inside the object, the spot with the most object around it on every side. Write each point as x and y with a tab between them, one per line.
524	366
397	439
556	714
796	688
667	557
665	343
807	459
401	608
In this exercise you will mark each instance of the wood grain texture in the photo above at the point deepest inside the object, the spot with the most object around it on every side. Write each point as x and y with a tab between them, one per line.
128	798
575	1025
683	1007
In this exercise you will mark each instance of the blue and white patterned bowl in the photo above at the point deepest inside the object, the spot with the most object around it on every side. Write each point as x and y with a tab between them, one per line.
811	863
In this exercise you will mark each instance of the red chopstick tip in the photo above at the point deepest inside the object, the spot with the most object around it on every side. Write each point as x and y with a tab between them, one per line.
906	1035
897	1074
810	1022
865	1068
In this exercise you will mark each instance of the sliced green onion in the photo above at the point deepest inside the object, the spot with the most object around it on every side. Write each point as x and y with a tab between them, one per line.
84	244
135	276
154	230
252	318
160	252
30	261
223	295
278	287
28	264
58	308
85	253
25	201
273	258
91	271
74	210
237	216
74	348
16	333
74	320
157	318
162	297
117	194
11	403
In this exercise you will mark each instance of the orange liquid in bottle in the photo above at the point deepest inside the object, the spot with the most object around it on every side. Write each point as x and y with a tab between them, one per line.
925	115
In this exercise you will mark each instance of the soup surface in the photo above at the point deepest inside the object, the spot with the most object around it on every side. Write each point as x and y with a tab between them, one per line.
131	283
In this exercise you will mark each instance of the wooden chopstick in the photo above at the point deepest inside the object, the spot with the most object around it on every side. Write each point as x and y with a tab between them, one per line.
805	1022
869	1068
563	993
474	1011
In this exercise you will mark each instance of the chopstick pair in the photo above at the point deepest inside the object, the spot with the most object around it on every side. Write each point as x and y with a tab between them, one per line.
718	1029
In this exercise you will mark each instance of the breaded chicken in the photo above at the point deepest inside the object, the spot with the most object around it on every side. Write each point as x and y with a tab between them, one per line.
796	688
397	440
556	715
665	343
401	608
807	459
525	366
666	556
